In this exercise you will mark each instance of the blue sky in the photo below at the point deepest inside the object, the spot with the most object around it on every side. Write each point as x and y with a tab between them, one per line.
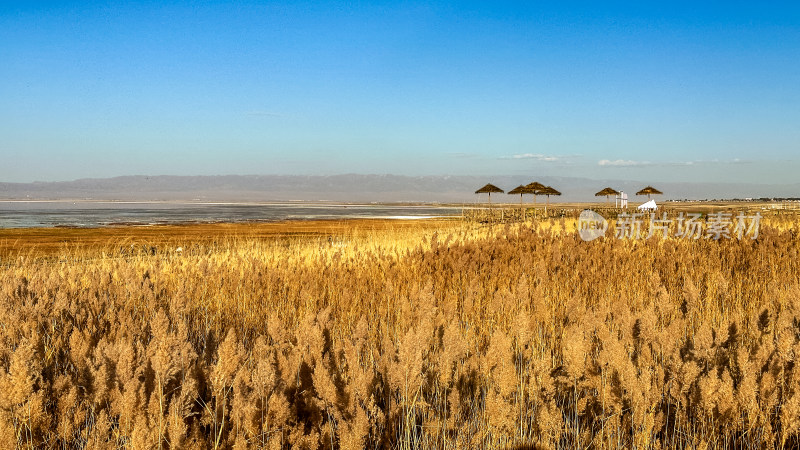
665	92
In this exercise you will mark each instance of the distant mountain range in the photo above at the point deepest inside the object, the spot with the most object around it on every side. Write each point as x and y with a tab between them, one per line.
358	188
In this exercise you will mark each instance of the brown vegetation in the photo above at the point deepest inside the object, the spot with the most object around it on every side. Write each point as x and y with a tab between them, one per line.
504	337
58	241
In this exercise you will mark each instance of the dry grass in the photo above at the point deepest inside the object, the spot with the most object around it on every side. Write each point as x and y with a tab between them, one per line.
57	241
444	335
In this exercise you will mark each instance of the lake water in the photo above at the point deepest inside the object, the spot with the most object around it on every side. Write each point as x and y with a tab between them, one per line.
15	214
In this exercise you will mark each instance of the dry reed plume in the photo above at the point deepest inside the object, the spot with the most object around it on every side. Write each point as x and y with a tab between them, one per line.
515	336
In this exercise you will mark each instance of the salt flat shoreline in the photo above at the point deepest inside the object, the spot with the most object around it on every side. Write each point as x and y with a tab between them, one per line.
99	214
62	214
320	203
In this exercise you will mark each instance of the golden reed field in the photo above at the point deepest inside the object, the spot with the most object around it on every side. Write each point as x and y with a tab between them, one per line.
417	334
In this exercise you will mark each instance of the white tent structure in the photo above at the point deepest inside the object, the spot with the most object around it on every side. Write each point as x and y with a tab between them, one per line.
647	206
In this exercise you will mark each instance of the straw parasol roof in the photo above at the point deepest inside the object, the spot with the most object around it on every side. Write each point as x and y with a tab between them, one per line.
535	188
519	190
548	191
649	190
489	189
607	192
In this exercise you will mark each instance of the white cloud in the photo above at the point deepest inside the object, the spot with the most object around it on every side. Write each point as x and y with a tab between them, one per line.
632	163
535	156
622	163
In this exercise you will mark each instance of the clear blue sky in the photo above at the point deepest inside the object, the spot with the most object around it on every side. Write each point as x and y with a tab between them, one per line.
662	91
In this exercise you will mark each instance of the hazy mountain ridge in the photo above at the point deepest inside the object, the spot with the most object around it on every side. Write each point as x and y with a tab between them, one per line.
357	188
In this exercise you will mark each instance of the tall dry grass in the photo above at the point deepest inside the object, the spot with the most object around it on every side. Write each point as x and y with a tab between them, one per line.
496	337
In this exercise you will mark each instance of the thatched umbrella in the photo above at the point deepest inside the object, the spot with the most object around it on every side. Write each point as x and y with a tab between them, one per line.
607	191
535	188
488	189
519	190
548	191
649	190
